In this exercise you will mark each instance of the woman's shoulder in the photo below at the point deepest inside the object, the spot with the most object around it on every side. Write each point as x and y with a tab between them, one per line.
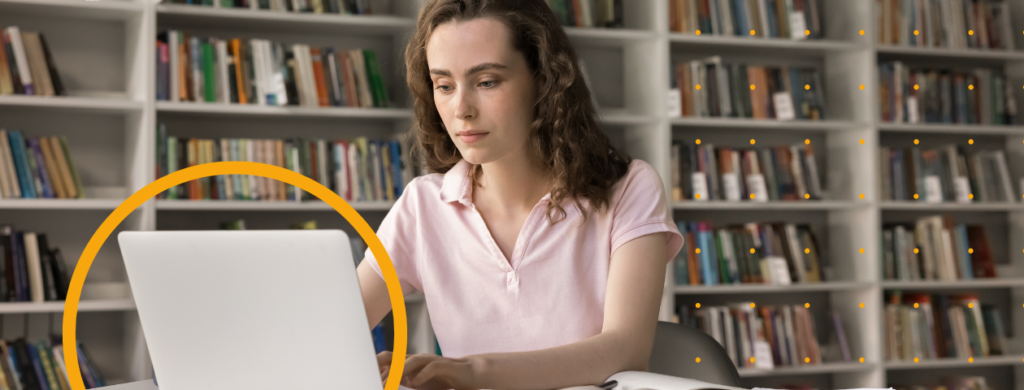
640	174
423	188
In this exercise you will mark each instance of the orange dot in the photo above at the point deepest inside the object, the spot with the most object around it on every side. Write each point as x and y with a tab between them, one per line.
807	87
807	360
752	87
698	32
915	360
862	87
807	32
915	305
698	305
970	360
861	250
970	87
751	32
807	141
916	141
970	250
916	251
862	359
862	305
698	141
698	249
970	141
916	87
915	196
807	196
807	305
751	141
970	196
970	32
861	32
698	87
862	196
916	32
698	360
698	197
807	250
861	141
751	250
751	196
970	305
751	304
751	359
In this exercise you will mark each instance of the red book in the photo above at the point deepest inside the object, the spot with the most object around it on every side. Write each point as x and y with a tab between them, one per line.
318	76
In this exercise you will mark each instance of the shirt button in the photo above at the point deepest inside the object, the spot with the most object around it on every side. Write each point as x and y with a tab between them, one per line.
512	279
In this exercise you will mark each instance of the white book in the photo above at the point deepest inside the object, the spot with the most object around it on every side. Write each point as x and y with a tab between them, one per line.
778	326
929	24
21	59
321	163
174	66
716	27
257	69
375	170
1006	27
725	11
1004	176
35	270
298	168
223	60
341	169
225	155
716	329
948	256
309	77
365	96
336	81
798	253
762	10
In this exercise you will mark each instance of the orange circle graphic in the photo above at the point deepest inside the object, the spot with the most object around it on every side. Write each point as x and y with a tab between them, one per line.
234	168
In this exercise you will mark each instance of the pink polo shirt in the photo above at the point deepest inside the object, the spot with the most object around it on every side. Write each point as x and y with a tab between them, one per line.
553	291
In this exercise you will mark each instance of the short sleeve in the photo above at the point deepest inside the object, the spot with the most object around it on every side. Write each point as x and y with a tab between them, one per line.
397	232
640	208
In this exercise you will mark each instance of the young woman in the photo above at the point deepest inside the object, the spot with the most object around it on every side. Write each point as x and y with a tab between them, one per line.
540	249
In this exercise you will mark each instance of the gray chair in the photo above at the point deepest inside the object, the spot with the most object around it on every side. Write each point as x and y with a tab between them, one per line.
675	353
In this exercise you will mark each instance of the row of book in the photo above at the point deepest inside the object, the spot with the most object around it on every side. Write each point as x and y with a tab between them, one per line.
37	167
774	335
928	95
957	326
706	172
950	382
789	19
259	71
952	24
359	170
357	244
946	174
25	365
712	88
934	248
762	253
588	13
27	66
349	7
30	269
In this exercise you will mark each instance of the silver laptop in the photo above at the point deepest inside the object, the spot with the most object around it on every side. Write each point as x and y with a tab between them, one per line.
251	310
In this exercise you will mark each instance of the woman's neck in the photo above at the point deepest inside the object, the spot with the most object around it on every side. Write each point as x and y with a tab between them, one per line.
511	184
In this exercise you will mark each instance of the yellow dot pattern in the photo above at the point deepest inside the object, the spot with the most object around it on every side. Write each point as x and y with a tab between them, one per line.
751	196
807	250
753	87
807	87
916	141
697	305
807	141
697	141
807	196
698	360
862	196
807	360
751	304
862	87
751	250
698	32
970	250
697	250
862	359
752	141
862	305
751	32
861	250
970	141
916	251
916	32
862	141
915	196
807	305
861	32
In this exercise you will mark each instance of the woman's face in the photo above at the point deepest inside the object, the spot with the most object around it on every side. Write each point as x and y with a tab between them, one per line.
483	88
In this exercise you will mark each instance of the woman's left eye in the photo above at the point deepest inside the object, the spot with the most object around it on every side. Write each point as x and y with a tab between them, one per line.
490	83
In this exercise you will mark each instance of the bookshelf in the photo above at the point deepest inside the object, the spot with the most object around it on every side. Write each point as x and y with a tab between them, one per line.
111	115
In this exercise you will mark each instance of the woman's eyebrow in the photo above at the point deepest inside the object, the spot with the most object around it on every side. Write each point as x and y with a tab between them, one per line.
478	68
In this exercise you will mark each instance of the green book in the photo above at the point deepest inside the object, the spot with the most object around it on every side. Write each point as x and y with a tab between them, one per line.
71	167
722	261
233	225
172	164
209	76
307	225
48	365
380	94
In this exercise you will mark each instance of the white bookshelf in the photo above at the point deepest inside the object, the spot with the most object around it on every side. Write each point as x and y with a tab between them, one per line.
111	116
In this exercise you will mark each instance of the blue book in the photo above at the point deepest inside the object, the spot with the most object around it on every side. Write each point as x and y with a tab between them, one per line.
396	167
966	267
37	365
708	258
682	264
21	165
44	176
773	31
739	23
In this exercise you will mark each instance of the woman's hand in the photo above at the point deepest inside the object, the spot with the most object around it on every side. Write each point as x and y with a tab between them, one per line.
431	372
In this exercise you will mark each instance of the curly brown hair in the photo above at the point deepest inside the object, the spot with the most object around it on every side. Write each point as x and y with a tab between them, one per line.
564	135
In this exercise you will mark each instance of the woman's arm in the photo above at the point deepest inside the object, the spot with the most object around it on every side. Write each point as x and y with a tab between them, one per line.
636	280
375	293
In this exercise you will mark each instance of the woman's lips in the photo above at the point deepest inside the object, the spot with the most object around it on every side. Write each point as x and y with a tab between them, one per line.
471	138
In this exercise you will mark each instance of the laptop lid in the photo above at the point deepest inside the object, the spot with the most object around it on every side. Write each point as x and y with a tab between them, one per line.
260	309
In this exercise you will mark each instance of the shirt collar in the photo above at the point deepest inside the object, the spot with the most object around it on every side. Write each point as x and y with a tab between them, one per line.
456	185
